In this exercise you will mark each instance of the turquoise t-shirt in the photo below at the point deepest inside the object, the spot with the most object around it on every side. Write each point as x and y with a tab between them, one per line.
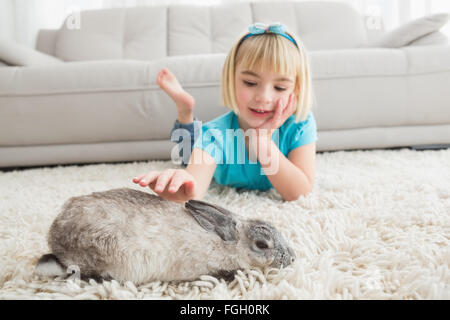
223	139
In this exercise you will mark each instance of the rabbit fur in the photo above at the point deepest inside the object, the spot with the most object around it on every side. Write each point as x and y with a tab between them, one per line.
130	235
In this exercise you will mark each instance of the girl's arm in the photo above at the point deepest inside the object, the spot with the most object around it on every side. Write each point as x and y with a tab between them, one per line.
181	185
292	176
201	166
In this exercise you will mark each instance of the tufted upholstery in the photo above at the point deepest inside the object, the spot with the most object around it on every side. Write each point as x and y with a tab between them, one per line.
148	33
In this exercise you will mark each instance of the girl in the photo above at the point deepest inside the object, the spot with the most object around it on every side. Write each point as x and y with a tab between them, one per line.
266	82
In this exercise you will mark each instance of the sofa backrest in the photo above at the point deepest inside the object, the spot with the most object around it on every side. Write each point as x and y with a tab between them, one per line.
147	33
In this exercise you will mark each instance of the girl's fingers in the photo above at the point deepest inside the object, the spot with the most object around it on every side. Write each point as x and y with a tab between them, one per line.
138	178
282	112
163	179
182	180
292	105
288	109
148	178
279	111
288	104
177	180
185	181
189	188
276	114
281	105
272	121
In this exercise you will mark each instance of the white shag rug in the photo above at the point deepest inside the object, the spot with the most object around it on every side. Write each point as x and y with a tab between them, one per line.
377	226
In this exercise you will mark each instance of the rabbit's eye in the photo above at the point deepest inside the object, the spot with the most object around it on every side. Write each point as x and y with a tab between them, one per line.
262	244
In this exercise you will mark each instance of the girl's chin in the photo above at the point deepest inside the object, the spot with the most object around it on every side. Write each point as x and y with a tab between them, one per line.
255	123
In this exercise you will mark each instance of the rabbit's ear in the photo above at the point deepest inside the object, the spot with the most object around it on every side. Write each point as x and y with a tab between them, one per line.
213	218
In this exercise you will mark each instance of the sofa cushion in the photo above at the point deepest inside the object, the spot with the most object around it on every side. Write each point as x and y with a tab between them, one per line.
213	29
349	63
46	40
419	59
428	98
134	33
436	38
357	88
102	101
377	87
148	33
412	31
320	25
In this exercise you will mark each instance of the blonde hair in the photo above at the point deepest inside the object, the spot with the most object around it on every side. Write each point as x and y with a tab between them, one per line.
273	53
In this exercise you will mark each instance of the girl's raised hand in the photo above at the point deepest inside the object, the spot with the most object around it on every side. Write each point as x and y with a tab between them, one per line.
282	112
172	184
260	139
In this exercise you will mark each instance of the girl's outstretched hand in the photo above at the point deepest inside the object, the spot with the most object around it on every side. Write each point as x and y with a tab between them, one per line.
172	184
282	112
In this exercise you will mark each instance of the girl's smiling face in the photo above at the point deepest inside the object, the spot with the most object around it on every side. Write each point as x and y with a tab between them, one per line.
257	95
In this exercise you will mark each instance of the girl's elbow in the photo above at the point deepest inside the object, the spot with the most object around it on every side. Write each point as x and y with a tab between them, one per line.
292	197
289	198
295	196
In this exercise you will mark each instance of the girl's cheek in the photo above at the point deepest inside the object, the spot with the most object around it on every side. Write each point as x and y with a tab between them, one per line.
242	97
286	96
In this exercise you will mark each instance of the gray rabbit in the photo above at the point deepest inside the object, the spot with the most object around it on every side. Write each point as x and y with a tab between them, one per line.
130	235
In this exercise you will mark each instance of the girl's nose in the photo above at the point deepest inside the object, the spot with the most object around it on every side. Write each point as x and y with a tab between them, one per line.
264	97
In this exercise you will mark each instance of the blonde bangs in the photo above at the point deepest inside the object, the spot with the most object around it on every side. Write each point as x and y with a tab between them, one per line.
268	53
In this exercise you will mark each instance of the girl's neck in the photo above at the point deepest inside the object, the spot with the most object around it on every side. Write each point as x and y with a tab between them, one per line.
243	124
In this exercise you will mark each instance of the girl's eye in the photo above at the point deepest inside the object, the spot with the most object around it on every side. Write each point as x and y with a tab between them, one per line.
250	84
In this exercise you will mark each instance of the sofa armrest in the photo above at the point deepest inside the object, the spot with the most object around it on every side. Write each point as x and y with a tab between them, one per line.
16	54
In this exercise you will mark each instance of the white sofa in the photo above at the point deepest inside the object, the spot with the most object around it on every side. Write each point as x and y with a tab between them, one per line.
98	101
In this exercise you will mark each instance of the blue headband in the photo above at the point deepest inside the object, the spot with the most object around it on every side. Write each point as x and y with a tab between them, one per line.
261	28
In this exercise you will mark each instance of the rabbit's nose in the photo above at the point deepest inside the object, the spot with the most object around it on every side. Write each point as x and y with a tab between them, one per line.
292	254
